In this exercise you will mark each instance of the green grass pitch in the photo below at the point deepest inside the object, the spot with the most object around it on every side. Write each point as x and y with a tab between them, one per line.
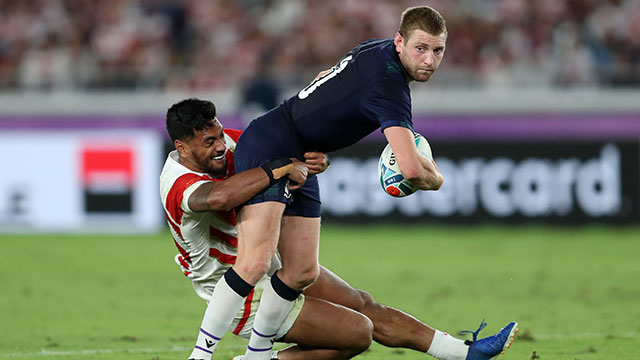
574	291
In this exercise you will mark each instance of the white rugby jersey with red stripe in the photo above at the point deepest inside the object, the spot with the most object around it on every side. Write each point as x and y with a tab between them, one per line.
207	241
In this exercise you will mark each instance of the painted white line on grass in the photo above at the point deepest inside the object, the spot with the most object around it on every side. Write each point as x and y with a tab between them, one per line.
629	335
49	353
53	353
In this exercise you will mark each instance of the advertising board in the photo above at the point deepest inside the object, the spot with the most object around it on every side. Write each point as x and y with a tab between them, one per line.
72	180
517	181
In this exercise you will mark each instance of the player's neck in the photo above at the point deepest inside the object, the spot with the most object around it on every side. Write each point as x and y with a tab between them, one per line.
189	165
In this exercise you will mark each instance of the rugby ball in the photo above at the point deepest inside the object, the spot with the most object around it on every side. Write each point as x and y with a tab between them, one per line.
391	179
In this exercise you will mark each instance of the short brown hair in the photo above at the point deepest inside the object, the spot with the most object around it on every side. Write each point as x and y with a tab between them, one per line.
424	18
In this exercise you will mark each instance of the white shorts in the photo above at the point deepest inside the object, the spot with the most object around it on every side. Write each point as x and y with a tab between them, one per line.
243	322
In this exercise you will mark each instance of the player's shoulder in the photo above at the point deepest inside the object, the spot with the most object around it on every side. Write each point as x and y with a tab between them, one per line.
377	50
379	58
234	134
372	45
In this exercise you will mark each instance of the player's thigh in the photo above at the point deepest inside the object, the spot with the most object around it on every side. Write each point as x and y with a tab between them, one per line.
298	245
332	288
322	324
258	233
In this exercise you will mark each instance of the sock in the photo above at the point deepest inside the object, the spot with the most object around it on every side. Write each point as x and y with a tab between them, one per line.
227	299
446	347
275	304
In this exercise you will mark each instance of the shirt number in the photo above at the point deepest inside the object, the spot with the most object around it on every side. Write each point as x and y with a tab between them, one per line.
304	93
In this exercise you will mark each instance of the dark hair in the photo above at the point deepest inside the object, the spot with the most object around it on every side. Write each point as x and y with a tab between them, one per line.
188	116
424	18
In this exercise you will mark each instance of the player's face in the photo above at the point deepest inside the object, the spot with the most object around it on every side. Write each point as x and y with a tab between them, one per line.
420	53
205	152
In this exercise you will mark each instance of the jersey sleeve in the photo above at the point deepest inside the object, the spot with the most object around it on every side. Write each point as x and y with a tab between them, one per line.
177	200
187	194
388	102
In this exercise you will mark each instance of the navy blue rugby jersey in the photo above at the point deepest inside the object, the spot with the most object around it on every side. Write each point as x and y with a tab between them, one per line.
365	91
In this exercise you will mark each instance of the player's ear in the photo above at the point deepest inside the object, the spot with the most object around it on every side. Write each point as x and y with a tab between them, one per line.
398	41
183	148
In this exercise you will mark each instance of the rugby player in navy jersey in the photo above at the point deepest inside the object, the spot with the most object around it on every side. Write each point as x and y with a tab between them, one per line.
367	90
199	190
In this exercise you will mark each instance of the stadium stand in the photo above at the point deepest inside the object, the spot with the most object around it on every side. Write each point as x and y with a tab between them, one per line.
198	45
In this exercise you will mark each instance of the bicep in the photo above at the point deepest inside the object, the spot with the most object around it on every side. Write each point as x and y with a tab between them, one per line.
402	142
404	149
197	200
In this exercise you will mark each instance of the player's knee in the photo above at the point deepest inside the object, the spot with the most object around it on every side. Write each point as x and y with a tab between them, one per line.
309	276
305	277
253	271
364	334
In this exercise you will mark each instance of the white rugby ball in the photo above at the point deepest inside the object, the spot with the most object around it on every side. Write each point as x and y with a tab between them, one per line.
391	179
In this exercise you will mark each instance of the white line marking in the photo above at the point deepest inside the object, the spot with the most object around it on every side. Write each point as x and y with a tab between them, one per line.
47	353
629	335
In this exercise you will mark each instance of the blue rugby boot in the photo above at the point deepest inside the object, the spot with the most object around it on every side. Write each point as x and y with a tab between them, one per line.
492	346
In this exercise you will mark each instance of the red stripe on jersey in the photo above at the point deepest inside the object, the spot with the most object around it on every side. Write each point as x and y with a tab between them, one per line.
215	233
230	168
174	198
222	257
233	133
183	263
174	226
245	314
185	255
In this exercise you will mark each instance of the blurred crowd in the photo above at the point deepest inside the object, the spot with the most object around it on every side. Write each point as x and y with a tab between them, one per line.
199	45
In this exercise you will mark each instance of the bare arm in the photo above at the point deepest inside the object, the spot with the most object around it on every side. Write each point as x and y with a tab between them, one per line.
239	188
418	170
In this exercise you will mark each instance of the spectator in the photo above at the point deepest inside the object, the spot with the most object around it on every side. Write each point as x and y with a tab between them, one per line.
199	45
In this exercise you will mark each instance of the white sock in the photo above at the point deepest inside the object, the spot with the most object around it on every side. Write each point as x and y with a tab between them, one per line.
224	304
272	311
446	347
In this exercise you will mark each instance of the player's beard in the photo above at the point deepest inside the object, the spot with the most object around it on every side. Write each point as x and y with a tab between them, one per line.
424	78
421	76
209	166
221	172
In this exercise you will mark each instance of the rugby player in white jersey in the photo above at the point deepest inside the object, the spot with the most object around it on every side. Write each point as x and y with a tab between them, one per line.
199	191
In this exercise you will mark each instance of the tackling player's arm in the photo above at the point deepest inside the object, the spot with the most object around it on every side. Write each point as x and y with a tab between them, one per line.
239	188
317	162
417	169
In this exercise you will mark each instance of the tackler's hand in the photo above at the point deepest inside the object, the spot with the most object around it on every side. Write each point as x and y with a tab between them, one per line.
317	162
298	175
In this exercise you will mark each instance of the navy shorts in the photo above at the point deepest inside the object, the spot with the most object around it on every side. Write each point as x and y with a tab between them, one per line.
268	138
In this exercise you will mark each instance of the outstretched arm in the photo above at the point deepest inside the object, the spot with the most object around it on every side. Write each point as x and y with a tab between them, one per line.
239	188
418	170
